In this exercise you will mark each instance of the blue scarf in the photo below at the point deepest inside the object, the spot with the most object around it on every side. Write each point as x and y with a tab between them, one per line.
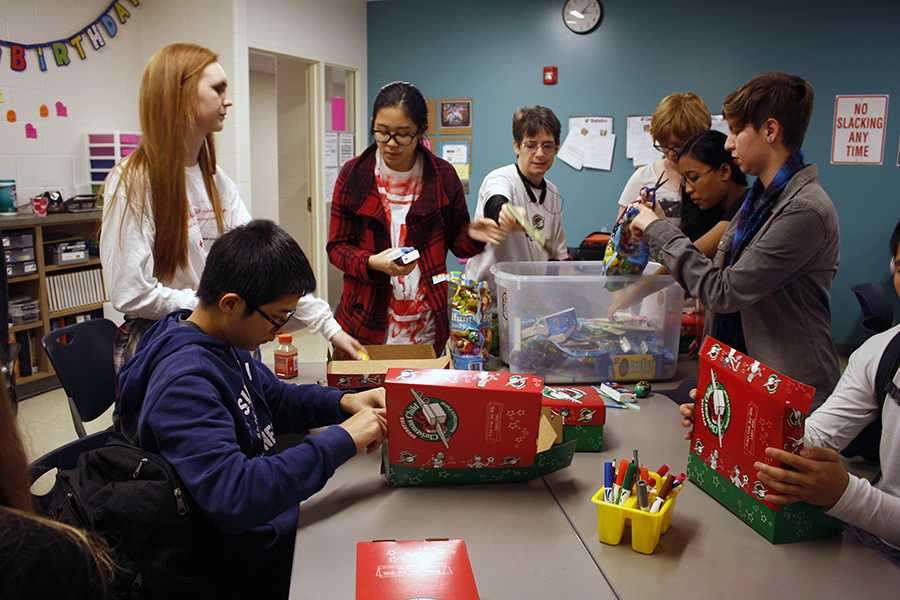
755	209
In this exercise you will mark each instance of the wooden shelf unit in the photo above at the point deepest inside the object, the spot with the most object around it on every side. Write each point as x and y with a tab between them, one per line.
85	226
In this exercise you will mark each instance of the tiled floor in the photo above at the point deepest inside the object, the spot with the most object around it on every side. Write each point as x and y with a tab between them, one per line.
46	423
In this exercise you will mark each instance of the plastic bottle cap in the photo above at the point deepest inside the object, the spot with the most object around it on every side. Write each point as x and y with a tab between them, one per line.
285	339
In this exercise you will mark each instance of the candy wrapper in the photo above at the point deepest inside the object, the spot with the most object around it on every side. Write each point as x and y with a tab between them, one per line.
471	332
626	254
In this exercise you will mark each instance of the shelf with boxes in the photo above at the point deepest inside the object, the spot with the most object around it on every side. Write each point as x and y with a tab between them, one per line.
54	280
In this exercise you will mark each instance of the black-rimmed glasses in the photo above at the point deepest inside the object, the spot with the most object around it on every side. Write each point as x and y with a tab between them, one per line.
276	325
666	149
693	178
402	139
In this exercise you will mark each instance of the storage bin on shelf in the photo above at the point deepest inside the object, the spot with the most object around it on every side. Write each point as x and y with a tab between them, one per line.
555	321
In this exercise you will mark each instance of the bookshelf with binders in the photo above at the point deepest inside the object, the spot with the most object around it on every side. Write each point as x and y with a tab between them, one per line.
54	279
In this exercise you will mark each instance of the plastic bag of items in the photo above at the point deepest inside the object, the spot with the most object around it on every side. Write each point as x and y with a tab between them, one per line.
471	333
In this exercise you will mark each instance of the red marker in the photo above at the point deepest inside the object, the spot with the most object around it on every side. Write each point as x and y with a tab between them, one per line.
662	471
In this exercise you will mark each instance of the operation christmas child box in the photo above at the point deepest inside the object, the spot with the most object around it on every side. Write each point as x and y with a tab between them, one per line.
742	408
346	373
449	426
583	413
407	570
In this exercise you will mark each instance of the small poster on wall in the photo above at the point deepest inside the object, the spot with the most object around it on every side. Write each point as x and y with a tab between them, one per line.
456	115
859	127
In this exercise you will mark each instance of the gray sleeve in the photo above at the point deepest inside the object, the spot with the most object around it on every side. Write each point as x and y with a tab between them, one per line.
792	241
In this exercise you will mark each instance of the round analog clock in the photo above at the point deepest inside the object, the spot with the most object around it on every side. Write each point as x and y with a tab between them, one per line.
582	16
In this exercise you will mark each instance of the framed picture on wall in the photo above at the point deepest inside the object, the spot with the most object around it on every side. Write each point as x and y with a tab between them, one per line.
456	115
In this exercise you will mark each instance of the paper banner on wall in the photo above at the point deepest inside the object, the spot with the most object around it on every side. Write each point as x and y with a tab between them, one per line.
64	50
338	114
859	128
2	100
346	148
331	149
720	124
331	174
30	131
638	142
61	110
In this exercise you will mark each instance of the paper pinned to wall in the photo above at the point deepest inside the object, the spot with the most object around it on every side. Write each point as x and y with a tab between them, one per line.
456	153
331	149
2	100
462	171
720	124
572	150
589	143
331	175
338	114
345	147
61	109
599	153
639	142
30	131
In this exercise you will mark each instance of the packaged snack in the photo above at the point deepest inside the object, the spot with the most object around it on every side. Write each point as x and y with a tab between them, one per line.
471	334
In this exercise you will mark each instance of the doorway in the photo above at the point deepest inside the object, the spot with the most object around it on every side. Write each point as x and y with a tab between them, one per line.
281	138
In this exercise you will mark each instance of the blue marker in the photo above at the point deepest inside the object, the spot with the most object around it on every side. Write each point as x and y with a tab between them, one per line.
609	479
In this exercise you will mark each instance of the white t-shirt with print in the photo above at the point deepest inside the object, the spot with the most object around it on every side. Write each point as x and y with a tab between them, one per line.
410	318
126	253
546	217
669	195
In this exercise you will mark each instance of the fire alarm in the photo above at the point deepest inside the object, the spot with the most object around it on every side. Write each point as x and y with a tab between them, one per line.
550	75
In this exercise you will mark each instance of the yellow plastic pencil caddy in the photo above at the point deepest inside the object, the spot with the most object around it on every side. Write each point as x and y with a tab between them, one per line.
646	527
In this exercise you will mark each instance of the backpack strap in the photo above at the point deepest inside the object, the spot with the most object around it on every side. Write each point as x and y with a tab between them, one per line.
887	367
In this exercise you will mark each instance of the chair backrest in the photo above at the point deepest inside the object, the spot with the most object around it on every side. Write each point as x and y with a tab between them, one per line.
66	456
82	355
877	312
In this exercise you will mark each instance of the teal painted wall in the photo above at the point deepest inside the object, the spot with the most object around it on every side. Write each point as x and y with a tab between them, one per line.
493	51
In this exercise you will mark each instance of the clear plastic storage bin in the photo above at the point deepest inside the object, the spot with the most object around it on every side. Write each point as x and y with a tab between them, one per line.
556	321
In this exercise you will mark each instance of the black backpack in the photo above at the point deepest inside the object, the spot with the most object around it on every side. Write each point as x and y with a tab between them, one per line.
134	500
868	443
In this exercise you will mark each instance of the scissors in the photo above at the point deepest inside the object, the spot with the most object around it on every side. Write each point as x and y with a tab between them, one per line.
651	192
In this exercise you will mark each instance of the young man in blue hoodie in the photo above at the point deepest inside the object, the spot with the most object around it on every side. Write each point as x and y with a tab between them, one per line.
194	394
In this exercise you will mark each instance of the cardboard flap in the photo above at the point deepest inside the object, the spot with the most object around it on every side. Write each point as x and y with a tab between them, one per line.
550	430
382	357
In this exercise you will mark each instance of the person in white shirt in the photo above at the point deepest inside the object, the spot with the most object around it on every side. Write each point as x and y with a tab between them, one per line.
167	202
522	186
818	476
677	118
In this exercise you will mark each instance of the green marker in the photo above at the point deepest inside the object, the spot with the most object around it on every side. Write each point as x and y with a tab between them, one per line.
628	482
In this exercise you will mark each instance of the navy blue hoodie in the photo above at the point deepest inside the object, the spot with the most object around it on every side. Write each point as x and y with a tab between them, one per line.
213	412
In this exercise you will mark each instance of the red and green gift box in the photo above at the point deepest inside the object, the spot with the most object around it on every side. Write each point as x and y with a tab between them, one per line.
743	407
450	426
583	412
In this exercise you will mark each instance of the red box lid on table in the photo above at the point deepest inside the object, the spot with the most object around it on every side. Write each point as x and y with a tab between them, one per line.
389	570
578	404
452	419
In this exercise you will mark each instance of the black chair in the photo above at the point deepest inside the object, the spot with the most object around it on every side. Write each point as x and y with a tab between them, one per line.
877	312
66	456
82	355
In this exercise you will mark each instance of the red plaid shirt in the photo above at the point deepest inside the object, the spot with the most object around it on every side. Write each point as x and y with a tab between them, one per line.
437	222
